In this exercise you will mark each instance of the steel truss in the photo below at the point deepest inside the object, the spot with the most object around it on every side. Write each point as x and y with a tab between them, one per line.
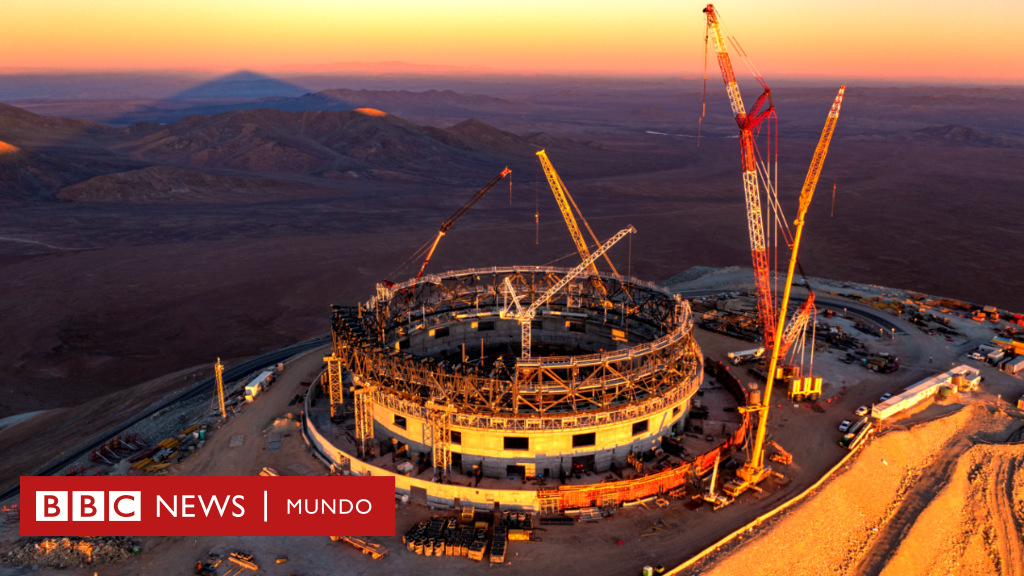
334	384
541	393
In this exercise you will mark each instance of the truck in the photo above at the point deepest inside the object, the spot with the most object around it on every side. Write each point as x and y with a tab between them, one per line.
853	440
257	385
746	356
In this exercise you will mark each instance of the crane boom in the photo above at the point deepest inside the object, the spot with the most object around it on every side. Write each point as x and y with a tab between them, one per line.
797	324
566	205
458	214
525	317
755	467
747	122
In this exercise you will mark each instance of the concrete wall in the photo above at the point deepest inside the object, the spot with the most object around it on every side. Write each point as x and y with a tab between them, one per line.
436	493
548	449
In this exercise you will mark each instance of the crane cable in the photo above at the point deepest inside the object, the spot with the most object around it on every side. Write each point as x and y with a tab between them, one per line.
704	91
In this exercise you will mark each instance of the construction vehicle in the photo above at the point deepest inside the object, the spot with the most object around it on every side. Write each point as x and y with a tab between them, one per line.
715	498
376	551
780	455
853	439
746	356
526	316
447	224
754	470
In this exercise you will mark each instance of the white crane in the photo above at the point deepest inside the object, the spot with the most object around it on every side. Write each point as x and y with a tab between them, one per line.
525	316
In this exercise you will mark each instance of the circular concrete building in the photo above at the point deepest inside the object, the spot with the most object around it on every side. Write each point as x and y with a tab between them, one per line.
438	368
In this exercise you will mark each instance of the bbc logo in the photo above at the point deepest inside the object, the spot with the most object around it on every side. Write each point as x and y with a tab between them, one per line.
89	506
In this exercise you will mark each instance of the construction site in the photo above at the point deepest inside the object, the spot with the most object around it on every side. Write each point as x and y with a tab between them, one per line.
577	418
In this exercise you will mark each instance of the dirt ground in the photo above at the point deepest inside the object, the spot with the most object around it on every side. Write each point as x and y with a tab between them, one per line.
931	499
911	467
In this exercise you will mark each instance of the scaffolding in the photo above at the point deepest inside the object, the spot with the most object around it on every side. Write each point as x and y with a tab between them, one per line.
363	401
440	420
334	384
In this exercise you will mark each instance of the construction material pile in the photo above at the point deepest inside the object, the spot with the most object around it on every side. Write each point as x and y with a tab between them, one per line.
931	499
70	552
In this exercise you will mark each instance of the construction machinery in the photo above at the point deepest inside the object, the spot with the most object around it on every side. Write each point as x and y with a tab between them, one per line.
525	316
715	498
218	370
780	455
566	205
447	224
746	356
748	122
754	470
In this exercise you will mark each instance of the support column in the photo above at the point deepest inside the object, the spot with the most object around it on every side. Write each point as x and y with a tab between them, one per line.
440	424
363	401
218	369
334	385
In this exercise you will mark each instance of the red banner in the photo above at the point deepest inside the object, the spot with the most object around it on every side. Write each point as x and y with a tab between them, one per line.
207	506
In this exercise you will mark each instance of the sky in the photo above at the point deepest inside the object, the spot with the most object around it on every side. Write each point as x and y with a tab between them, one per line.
905	40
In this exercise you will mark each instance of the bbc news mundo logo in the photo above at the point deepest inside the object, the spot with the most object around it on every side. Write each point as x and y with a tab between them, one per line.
89	506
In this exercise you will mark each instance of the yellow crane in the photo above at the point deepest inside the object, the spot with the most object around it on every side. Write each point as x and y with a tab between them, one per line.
218	369
754	471
566	204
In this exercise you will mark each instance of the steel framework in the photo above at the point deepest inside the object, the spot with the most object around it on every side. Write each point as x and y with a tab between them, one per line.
363	403
550	393
440	420
334	384
218	369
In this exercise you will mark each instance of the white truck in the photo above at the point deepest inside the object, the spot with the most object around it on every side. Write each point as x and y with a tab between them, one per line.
746	356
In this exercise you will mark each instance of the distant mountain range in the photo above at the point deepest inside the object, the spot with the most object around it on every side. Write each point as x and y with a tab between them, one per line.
364	143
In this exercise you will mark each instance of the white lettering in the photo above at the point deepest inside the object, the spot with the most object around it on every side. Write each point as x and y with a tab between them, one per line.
341	506
241	511
173	511
213	502
315	506
186	505
368	506
324	506
296	504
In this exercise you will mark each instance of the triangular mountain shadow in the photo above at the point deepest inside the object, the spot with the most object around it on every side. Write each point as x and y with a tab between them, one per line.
241	84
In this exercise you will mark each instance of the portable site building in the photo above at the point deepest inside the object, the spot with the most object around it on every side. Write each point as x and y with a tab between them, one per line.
1014	365
257	385
962	376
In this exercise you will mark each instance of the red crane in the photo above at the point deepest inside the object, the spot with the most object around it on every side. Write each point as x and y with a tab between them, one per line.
748	122
458	214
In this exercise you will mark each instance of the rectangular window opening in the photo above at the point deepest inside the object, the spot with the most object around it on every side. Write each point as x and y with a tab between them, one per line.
581	440
400	421
517	443
456	437
639	427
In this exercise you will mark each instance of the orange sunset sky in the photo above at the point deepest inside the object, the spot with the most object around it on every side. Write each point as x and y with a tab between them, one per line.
894	40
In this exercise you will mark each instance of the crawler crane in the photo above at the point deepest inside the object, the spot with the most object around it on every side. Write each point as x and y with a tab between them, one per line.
754	470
